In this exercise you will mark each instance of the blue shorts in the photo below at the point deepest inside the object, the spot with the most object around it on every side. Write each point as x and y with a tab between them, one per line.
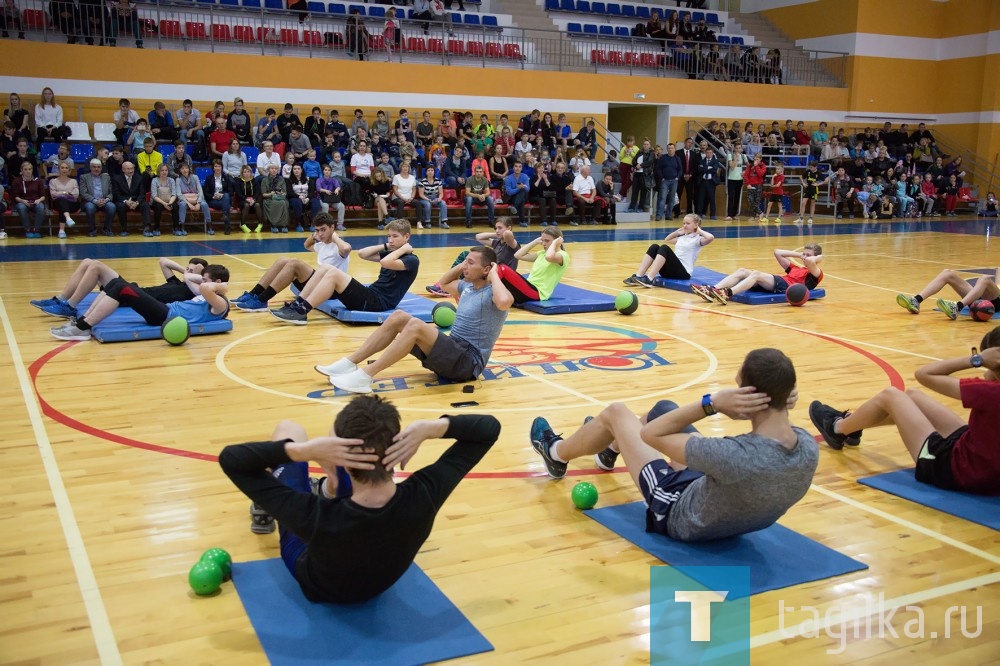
661	486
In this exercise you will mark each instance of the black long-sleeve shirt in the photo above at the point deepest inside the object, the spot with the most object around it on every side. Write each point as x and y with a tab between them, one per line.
355	553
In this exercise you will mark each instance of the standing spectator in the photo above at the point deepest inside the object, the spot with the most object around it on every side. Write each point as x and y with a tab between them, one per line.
124	14
10	19
669	169
300	7
66	15
736	162
643	167
65	194
753	180
709	176
94	20
49	118
391	34
240	123
625	158
691	165
28	196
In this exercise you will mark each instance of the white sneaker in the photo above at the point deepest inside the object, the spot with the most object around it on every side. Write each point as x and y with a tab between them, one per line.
61	234
3	235
69	332
70	222
341	367
798	222
809	222
353	382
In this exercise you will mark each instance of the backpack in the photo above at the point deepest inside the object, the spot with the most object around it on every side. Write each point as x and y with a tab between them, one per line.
350	193
639	30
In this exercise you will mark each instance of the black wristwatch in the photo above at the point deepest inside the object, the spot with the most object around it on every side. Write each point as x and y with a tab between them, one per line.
706	405
976	361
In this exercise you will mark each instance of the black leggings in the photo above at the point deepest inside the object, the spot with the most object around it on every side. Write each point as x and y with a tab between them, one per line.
734	191
131	295
672	269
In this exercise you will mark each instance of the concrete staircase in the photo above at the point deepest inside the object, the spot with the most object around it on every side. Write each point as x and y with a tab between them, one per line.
552	50
800	68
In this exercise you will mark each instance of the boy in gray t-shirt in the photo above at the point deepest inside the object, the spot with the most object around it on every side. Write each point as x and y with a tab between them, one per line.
713	487
460	357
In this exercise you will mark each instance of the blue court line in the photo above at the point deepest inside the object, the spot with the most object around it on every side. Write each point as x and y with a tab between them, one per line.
268	243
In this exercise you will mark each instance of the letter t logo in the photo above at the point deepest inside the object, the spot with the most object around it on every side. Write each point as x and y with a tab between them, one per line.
701	610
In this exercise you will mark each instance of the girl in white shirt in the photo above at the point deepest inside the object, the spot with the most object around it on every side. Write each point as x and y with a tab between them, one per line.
675	263
578	162
49	119
362	164
404	189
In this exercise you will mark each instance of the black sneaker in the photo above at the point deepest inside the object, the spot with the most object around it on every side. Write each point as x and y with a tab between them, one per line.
261	522
542	439
823	417
291	315
605	459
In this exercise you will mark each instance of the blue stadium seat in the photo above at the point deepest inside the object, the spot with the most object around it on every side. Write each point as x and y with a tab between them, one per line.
628	10
207	2
607	31
642	11
551	5
203	173
574	28
738	40
360	8
251	152
567	5
316	7
723	39
81	152
583	6
614	9
598	8
376	12
490	21
337	8
590	28
251	4
471	19
48	150
274	4
230	3
165	149
712	19
622	31
697	16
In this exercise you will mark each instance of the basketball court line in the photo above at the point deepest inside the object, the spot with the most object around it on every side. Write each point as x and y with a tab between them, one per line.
100	624
231	256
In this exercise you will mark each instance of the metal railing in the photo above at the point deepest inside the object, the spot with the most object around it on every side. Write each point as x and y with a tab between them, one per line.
201	26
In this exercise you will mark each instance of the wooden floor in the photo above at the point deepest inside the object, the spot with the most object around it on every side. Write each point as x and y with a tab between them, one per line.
112	494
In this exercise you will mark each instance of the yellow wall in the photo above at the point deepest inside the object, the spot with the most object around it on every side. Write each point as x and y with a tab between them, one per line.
638	121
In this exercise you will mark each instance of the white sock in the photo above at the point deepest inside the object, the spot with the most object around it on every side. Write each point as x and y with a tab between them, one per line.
554	451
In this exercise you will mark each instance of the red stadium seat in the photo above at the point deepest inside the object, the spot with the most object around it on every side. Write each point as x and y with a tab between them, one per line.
312	38
456	47
35	19
221	33
632	59
416	44
435	45
195	30
647	60
475	49
170	28
376	42
243	33
512	51
290	36
494	50
616	58
598	57
268	35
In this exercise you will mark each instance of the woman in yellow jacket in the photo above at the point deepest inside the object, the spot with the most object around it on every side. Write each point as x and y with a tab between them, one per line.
626	157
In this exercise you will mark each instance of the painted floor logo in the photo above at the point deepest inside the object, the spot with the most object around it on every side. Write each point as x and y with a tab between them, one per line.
699	615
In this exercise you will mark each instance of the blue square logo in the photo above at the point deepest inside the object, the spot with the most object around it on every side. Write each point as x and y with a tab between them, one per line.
699	615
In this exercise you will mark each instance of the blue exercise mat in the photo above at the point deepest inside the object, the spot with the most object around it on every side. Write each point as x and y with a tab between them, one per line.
707	276
410	623
777	556
125	325
974	508
569	300
417	306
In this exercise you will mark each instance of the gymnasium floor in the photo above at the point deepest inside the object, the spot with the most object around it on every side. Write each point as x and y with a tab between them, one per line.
113	492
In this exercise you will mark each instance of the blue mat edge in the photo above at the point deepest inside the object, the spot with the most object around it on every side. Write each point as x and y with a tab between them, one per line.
907	473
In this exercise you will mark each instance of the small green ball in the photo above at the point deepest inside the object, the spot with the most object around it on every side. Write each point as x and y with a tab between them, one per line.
584	495
221	558
626	302
443	314
176	331
205	578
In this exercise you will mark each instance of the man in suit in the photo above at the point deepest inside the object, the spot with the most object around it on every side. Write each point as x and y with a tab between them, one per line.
709	176
129	191
691	164
96	194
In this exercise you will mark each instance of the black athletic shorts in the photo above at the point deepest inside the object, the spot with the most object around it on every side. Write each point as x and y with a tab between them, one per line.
810	192
451	358
775	198
302	285
934	461
357	296
661	486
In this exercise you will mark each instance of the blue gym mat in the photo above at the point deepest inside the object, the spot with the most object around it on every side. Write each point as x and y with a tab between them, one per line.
125	325
707	276
418	306
974	508
569	300
410	623
777	556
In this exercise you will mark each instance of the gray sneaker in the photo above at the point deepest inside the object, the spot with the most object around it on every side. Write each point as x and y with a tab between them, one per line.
261	522
290	315
70	332
644	281
631	280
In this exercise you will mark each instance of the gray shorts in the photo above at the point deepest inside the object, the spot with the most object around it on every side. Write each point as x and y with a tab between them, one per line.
451	358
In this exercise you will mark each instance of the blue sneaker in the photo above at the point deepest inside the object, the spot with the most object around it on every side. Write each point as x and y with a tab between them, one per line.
252	304
542	439
299	229
42	302
59	309
239	299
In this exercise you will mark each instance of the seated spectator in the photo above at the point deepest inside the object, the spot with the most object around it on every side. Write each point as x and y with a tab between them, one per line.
52	164
311	166
477	192
240	123
267	129
988	206
191	197
129	190
584	198
429	196
218	141
274	200
149	160
606	198
328	191
362	165
139	135
497	165
233	160
247	198
819	139
96	194
516	187
125	119
338	167
385	165
161	124
177	158
286	121
266	158
302	198
189	125
65	194
28	197
381	191
455	169
404	191
298	144
218	194
612	165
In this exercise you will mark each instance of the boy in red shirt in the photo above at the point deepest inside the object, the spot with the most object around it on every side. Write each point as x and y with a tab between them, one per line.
776	194
807	272
948	453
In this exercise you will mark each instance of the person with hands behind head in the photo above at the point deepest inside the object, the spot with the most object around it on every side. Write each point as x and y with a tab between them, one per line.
547	267
806	271
356	536
711	487
949	452
503	244
675	263
399	268
483	302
